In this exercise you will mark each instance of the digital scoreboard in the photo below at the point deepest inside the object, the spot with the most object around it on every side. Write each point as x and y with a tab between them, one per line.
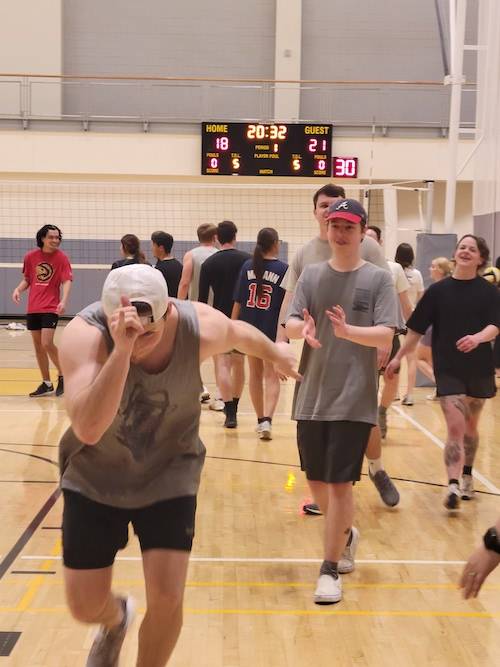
266	149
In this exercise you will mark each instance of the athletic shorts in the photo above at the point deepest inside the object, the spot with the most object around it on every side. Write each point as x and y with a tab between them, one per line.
37	321
396	346
93	533
332	451
451	385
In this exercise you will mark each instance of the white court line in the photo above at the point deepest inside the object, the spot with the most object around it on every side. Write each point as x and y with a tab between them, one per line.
208	559
477	475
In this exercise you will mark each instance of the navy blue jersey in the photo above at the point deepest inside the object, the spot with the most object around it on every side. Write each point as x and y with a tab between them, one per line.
261	311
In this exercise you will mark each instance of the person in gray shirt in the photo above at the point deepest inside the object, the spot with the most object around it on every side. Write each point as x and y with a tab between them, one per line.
344	309
133	453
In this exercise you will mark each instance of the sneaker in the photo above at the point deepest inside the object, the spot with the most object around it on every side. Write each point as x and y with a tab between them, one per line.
205	395
60	386
467	487
328	589
311	508
382	421
43	390
265	430
385	487
346	562
105	651
216	404
230	421
432	397
452	498
407	400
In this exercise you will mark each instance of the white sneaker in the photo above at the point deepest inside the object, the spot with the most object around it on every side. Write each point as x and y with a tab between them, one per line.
328	589
216	404
265	430
407	400
346	562
432	397
467	487
108	643
452	498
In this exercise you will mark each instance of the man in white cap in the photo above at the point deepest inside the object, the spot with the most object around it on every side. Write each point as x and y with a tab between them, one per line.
133	454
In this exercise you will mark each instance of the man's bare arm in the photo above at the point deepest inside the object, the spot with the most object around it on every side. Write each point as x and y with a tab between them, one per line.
186	276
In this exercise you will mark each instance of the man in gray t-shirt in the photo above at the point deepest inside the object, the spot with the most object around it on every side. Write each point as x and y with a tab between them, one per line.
344	309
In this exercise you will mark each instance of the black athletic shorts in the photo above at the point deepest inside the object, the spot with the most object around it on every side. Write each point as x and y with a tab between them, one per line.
396	346
93	533
333	451
451	385
37	321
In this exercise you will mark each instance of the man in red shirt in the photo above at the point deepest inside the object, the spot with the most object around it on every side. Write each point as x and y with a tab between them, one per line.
45	269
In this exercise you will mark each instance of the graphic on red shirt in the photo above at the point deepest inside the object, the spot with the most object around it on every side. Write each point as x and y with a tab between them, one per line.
45	272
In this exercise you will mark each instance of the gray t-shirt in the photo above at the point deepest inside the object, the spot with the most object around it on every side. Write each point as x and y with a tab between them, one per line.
340	379
152	451
198	256
319	250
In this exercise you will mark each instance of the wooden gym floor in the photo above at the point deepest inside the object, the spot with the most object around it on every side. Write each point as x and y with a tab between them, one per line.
255	561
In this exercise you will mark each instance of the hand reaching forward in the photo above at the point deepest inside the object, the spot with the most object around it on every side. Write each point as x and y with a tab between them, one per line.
477	568
336	315
309	330
285	362
125	326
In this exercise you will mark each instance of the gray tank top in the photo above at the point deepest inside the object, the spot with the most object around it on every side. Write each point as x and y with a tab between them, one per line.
199	255
152	450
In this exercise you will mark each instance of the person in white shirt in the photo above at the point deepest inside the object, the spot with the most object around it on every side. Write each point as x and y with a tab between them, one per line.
405	256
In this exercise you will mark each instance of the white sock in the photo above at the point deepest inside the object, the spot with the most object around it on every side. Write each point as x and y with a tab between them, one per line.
48	383
375	465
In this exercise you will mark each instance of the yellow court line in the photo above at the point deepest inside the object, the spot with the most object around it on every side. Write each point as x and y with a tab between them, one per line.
39	580
297	612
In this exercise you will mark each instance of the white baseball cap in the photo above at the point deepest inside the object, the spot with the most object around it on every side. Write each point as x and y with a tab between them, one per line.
138	282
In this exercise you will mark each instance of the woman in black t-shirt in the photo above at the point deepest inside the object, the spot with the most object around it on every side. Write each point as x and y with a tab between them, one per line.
130	248
464	311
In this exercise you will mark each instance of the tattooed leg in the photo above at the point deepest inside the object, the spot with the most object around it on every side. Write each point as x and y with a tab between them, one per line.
455	411
471	438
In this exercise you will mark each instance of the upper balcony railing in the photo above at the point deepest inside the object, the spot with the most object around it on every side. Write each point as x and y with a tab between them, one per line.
27	99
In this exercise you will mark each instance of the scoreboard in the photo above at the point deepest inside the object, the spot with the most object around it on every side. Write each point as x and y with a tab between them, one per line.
266	149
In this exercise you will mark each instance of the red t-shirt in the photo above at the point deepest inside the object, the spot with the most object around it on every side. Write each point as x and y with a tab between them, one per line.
45	272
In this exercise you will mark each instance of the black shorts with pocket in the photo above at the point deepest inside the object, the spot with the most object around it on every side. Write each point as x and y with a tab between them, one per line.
37	321
475	387
332	451
93	533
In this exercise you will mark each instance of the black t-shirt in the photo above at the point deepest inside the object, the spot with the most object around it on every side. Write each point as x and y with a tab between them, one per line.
457	308
172	270
124	262
221	272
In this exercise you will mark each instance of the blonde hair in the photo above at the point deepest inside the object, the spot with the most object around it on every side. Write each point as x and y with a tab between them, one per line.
444	265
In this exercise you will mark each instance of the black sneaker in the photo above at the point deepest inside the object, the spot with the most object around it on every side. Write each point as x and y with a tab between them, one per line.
60	386
42	390
230	421
311	508
385	487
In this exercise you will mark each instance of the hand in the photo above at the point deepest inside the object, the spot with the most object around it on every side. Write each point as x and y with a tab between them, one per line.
336	315
477	568
383	354
392	368
16	296
309	330
468	343
61	307
285	362
125	326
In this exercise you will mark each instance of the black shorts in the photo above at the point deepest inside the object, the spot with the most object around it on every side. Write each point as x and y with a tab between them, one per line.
451	385
333	451
92	533
396	346
37	321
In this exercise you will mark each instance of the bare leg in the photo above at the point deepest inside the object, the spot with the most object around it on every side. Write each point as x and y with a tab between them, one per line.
255	385
338	520
454	409
471	437
271	389
41	355
424	362
319	492
165	576
50	348
238	373
389	391
412	373
89	597
374	447
223	376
